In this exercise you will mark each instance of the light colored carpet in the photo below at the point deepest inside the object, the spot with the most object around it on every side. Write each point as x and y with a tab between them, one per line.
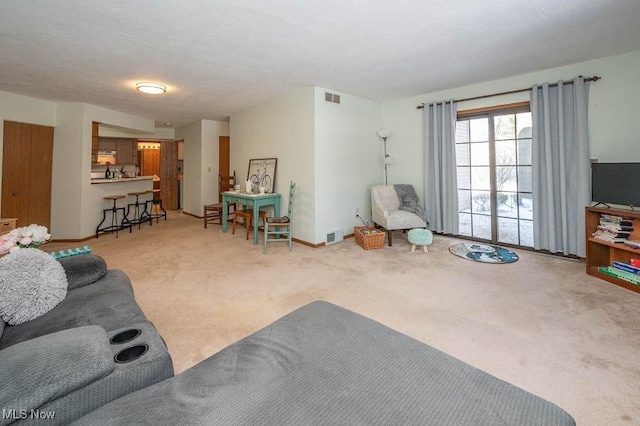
540	323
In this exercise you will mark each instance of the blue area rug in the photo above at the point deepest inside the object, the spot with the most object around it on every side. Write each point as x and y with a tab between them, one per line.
483	253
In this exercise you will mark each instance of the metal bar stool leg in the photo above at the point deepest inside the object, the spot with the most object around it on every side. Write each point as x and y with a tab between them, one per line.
114	226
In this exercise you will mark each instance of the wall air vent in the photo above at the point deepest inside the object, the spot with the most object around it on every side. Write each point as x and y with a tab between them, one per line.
334	237
332	97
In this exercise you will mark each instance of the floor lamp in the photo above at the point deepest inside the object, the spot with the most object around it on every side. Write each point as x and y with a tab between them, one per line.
384	134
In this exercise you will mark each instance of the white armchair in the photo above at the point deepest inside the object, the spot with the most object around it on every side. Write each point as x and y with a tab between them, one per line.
386	213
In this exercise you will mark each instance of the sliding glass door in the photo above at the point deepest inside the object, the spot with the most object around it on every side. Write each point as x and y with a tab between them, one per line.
493	157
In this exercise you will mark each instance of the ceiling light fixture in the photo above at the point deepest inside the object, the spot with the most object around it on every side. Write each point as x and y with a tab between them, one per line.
151	88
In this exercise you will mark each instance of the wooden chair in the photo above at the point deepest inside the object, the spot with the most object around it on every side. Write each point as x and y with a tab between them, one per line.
213	212
247	215
279	226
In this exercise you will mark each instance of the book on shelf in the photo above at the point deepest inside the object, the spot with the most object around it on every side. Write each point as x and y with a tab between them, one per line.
633	244
635	262
610	236
626	267
614	233
615	228
620	220
611	271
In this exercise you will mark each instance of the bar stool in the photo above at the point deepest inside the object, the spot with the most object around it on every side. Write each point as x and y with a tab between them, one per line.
139	217
247	215
157	203
115	226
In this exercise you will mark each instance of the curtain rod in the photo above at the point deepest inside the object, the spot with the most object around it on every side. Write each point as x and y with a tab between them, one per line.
594	78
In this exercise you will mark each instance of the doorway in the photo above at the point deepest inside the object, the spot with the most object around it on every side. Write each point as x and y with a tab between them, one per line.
493	161
26	173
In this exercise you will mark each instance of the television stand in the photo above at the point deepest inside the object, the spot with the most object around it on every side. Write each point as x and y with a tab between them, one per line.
601	253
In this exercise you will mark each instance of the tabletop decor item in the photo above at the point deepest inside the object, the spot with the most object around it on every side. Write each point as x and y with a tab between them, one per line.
262	172
32	236
71	252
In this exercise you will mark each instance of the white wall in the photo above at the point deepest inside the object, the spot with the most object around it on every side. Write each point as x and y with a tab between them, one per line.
70	174
191	134
23	109
201	163
348	160
158	133
282	128
210	159
76	205
613	111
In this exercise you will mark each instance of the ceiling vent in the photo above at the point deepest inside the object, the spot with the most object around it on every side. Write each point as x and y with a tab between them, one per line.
334	236
332	97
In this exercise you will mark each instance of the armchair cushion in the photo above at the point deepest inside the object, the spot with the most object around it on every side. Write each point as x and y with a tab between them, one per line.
83	269
43	369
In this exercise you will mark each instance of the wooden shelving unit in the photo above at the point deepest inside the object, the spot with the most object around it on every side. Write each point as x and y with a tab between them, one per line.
603	253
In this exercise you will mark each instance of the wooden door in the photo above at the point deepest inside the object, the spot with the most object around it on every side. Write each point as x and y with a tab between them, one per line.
224	154
40	176
26	173
149	162
169	174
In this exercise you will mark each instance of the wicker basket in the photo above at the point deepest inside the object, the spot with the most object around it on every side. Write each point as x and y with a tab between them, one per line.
369	241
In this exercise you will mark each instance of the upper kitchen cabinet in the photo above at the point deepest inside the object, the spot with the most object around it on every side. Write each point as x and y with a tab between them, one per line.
107	144
95	141
127	151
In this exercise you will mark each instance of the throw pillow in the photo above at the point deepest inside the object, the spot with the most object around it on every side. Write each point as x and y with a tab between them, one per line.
32	282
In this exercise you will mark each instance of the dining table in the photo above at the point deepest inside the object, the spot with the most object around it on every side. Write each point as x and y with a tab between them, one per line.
250	200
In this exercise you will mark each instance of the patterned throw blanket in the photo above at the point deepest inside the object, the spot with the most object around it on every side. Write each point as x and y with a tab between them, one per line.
409	200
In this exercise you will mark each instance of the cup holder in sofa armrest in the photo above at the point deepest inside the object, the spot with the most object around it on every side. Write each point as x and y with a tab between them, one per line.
125	336
131	353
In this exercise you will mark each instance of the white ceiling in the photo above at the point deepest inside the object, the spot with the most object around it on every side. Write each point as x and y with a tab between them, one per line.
219	57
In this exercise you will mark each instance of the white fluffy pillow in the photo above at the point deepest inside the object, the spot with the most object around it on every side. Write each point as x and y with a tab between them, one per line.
32	282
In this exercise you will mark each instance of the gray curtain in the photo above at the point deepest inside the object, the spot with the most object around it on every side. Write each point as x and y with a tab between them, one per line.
440	183
561	167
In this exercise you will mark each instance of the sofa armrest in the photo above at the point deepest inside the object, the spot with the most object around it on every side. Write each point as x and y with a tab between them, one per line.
83	269
48	367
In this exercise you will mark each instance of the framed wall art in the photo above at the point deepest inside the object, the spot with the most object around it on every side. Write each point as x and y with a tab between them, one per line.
262	172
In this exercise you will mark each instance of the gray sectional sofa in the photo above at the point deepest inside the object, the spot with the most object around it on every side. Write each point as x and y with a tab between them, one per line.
325	365
93	347
95	360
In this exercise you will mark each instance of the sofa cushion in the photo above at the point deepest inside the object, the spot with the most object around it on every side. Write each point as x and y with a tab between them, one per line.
49	367
323	364
31	284
83	269
109	303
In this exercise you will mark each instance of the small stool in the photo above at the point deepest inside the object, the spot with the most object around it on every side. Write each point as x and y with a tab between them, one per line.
139	216
157	203
114	217
420	237
247	215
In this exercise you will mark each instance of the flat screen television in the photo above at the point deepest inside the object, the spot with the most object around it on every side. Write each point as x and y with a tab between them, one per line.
616	183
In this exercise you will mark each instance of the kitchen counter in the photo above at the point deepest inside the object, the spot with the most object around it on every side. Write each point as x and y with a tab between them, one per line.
121	180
